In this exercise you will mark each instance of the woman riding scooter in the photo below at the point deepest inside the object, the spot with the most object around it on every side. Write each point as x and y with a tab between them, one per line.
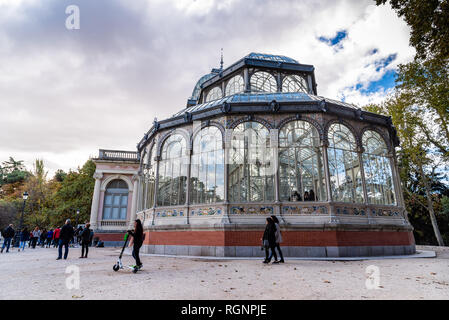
137	234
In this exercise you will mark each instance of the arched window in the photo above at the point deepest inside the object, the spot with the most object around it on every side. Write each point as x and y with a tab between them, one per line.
294	83
148	180
173	172
214	94
377	169
301	170
344	166
262	81
207	167
115	205
235	85
251	168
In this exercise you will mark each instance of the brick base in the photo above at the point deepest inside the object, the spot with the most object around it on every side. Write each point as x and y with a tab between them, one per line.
330	243
110	239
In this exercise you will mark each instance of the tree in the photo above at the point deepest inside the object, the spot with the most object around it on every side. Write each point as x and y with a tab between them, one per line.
415	154
425	88
75	193
429	23
12	172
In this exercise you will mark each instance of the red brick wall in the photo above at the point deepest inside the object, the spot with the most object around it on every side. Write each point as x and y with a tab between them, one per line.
110	236
290	238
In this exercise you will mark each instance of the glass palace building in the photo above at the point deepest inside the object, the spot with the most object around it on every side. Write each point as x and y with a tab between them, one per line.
256	140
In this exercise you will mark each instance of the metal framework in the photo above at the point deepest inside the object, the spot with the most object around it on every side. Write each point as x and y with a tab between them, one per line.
260	113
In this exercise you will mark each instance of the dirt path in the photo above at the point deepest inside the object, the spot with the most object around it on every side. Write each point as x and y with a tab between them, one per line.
35	274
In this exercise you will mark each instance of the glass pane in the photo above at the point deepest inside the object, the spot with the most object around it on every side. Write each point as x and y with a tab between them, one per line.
123	214
341	137
115	212
107	213
214	94
250	171
294	83
346	182
235	85
108	199
263	82
124	201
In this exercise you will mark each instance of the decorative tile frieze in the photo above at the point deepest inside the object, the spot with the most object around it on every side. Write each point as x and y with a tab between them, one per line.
265	210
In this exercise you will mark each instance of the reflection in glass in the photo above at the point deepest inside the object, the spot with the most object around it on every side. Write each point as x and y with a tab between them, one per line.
250	165
301	170
173	172
377	169
344	166
207	167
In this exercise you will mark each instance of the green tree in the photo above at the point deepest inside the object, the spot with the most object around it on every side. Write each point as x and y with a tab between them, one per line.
424	86
415	155
12	173
429	23
75	193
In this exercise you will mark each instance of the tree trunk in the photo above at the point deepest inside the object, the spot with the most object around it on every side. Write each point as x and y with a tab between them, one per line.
436	230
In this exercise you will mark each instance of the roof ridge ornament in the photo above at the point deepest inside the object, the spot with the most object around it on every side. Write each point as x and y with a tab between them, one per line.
221	61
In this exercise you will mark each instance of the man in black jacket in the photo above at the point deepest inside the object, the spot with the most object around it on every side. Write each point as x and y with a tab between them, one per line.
64	239
85	239
8	234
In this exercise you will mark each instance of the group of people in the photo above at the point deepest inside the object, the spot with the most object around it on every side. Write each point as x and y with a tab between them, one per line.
271	240
66	234
308	196
59	237
38	237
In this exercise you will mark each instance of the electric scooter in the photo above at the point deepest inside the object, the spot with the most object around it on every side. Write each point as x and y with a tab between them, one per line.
119	264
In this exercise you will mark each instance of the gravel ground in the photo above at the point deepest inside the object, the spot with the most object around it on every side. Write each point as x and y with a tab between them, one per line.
35	274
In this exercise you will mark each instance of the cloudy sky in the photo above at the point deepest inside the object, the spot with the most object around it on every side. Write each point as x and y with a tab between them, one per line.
66	93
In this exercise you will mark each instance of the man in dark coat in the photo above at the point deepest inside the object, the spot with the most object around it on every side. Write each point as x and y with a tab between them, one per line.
269	240
85	239
65	237
8	234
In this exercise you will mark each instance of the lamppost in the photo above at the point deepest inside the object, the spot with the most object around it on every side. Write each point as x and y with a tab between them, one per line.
18	232
77	214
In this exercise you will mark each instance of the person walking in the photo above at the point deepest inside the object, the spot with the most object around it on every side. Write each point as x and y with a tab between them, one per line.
56	237
269	240
85	239
49	238
30	241
65	237
278	239
36	235
24	237
78	233
43	238
138	238
7	234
